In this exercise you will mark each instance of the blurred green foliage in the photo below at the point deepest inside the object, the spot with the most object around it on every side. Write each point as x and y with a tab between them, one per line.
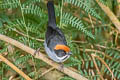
84	24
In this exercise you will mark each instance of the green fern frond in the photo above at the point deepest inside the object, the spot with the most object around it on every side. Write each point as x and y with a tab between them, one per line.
9	4
113	64
3	50
103	2
32	1
32	9
31	74
75	22
22	59
5	66
26	20
85	6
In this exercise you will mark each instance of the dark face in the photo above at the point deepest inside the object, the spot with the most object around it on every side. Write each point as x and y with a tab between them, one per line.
60	53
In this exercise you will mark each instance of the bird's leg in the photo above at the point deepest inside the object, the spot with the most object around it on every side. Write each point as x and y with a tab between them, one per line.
37	51
61	67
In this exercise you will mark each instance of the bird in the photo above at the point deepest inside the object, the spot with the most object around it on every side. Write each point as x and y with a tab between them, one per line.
55	43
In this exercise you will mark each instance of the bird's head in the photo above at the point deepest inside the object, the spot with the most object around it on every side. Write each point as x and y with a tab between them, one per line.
62	50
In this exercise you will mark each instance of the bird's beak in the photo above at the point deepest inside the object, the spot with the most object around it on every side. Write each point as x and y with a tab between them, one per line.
69	53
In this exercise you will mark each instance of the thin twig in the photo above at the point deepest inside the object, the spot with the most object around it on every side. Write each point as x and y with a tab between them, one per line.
41	40
104	64
38	72
91	21
14	68
61	12
107	47
47	71
42	57
110	14
103	53
116	37
97	67
23	17
27	36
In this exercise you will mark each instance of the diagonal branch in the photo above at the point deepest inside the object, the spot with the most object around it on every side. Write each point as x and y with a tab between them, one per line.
14	67
110	14
93	55
43	57
97	67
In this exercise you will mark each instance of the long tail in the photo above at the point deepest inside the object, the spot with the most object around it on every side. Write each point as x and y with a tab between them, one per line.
51	13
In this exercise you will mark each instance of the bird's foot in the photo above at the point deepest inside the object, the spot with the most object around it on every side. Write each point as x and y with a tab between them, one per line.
61	67
37	52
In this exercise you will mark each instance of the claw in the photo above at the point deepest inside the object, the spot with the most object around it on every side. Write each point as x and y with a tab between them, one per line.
61	68
37	51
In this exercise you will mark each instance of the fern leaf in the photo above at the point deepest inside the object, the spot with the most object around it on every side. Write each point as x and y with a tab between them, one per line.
83	5
9	4
32	9
75	22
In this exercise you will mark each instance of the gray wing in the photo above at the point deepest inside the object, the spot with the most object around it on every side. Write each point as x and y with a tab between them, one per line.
53	35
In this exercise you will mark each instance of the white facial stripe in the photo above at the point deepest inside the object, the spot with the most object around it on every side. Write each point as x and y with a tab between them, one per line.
61	58
53	56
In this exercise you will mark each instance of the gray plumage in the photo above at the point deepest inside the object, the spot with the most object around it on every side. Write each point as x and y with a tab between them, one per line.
53	37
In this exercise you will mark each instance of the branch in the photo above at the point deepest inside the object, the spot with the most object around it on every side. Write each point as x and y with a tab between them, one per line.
43	57
14	68
93	55
97	67
110	14
46	71
41	40
103	53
